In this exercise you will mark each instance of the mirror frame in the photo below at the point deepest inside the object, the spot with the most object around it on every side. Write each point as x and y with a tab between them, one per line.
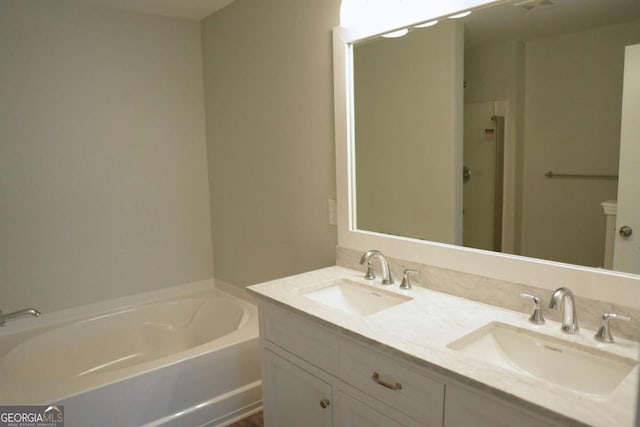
605	285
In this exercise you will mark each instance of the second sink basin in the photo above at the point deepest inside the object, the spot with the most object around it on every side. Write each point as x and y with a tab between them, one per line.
353	297
572	366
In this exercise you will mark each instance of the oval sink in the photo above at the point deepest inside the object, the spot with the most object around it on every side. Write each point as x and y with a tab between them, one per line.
573	366
353	297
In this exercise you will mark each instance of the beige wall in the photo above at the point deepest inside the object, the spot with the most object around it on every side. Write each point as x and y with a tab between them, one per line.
268	86
491	72
408	148
573	99
103	176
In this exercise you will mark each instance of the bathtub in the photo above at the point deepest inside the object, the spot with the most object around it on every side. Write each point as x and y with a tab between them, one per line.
185	356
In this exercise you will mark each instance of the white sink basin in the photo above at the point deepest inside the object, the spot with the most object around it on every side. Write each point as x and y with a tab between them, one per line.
353	297
572	366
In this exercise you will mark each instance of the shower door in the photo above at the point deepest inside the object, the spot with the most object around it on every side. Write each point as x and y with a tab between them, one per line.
483	157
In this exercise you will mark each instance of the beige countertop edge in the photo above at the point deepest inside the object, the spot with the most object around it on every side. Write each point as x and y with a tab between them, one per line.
283	293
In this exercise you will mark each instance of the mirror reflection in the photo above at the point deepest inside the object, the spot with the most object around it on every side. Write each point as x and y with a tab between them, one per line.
497	131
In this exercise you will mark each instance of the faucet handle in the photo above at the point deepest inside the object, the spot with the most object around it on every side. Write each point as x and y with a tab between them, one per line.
370	274
604	332
536	317
406	279
366	257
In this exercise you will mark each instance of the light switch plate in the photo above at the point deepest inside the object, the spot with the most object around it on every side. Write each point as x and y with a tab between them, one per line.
332	212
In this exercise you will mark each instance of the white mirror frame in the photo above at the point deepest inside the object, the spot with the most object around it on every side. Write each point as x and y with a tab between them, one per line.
605	285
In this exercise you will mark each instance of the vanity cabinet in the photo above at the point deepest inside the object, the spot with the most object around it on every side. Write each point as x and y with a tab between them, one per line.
314	376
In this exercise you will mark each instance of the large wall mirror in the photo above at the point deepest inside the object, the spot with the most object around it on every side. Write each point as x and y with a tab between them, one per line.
498	131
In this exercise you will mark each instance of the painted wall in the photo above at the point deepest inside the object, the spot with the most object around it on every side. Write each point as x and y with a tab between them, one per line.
268	87
408	148
103	175
573	96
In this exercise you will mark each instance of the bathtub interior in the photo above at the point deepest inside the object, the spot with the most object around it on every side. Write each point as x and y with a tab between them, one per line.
73	355
123	339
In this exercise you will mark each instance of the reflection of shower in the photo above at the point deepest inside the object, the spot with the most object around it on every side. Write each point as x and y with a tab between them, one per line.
499	183
483	177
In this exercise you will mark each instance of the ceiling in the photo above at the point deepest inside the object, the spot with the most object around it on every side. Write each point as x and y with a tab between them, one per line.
534	18
187	9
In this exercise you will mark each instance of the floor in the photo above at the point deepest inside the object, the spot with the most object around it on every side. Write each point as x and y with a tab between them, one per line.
254	420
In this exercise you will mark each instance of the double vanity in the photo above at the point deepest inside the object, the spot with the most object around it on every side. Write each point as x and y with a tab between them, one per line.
458	348
340	349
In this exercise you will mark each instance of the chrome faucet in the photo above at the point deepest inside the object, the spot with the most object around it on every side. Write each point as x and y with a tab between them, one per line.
564	297
370	275
10	316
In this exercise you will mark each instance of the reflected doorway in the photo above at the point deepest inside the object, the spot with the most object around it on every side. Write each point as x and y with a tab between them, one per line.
483	179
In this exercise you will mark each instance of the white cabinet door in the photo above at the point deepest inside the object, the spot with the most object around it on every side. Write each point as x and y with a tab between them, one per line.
627	249
292	396
464	408
350	412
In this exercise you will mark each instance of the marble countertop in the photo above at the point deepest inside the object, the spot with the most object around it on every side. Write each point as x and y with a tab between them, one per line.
420	330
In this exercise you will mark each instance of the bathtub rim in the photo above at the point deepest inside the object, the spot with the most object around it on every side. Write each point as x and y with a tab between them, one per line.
98	308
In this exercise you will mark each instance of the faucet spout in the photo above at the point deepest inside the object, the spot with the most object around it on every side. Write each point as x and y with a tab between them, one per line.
20	313
564	297
368	257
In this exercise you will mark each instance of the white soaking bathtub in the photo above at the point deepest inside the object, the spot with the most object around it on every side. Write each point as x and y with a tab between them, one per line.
185	356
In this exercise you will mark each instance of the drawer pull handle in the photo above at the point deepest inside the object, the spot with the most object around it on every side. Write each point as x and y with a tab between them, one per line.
324	403
376	378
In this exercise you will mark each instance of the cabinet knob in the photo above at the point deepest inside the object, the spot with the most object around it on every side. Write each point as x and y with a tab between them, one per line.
626	231
324	403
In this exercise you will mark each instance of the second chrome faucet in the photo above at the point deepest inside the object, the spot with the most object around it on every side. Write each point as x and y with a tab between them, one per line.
563	297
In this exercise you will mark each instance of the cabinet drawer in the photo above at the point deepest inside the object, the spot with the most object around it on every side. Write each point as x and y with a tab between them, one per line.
302	337
397	385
